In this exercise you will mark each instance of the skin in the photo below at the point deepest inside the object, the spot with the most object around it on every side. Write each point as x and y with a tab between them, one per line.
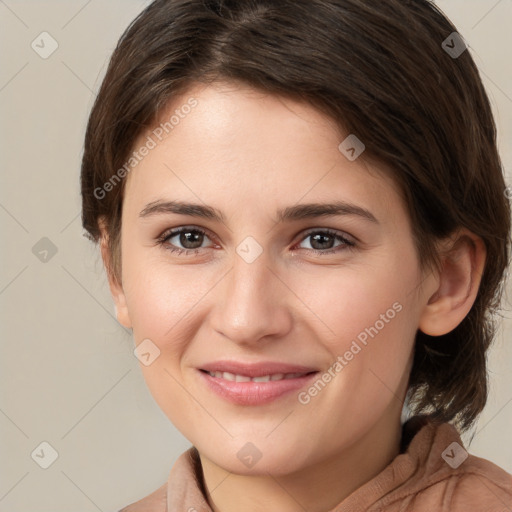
248	155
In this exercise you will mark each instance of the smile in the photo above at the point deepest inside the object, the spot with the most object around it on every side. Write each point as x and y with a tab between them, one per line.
264	378
241	389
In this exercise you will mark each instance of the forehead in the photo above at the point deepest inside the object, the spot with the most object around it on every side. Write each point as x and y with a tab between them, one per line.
228	143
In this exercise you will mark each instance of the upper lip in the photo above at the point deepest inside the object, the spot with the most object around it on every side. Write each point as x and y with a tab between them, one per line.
255	369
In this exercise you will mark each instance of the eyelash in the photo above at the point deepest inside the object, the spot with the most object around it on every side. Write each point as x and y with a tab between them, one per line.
163	240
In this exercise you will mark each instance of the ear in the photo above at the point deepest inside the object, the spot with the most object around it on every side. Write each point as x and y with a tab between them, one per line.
462	265
114	283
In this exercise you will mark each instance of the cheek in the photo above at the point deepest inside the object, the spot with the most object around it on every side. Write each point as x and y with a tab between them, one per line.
161	296
368	316
162	300
351	301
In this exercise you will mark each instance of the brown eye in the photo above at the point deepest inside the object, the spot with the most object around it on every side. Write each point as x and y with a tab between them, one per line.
327	241
183	239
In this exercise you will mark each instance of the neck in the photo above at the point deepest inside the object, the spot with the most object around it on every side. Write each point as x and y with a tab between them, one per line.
316	488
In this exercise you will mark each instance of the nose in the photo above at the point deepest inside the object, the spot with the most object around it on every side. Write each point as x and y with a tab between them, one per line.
251	303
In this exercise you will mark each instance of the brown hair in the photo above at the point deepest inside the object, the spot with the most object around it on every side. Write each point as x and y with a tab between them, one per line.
380	71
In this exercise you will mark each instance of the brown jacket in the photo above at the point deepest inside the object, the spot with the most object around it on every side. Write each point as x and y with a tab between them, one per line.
432	474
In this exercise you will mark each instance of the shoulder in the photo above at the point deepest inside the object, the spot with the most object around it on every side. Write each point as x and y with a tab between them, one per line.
464	492
439	474
154	502
479	484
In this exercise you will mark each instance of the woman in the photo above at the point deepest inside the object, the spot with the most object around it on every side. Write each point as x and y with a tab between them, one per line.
303	218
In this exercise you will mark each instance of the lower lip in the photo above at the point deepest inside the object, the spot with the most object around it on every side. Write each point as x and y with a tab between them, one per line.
254	393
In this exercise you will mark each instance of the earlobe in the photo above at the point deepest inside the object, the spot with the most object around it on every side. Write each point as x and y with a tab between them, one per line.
115	285
462	265
121	308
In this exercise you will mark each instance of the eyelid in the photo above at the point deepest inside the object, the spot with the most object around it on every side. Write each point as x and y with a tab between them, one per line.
171	232
347	241
330	231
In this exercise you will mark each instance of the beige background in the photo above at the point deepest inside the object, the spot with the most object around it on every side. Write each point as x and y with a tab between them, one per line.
67	371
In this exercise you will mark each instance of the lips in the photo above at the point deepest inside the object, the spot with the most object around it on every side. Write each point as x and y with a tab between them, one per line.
254	383
256	369
263	378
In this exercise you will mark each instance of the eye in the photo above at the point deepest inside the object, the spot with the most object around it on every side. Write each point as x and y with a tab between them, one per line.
322	241
190	239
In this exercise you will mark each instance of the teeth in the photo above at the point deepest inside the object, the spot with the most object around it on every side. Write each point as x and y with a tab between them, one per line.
263	378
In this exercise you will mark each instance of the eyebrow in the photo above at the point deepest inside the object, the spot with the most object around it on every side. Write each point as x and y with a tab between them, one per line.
291	213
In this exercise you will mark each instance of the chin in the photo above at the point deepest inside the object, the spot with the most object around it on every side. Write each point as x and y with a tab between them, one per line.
256	459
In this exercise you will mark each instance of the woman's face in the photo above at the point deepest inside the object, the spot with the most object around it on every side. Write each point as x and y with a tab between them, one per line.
261	280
